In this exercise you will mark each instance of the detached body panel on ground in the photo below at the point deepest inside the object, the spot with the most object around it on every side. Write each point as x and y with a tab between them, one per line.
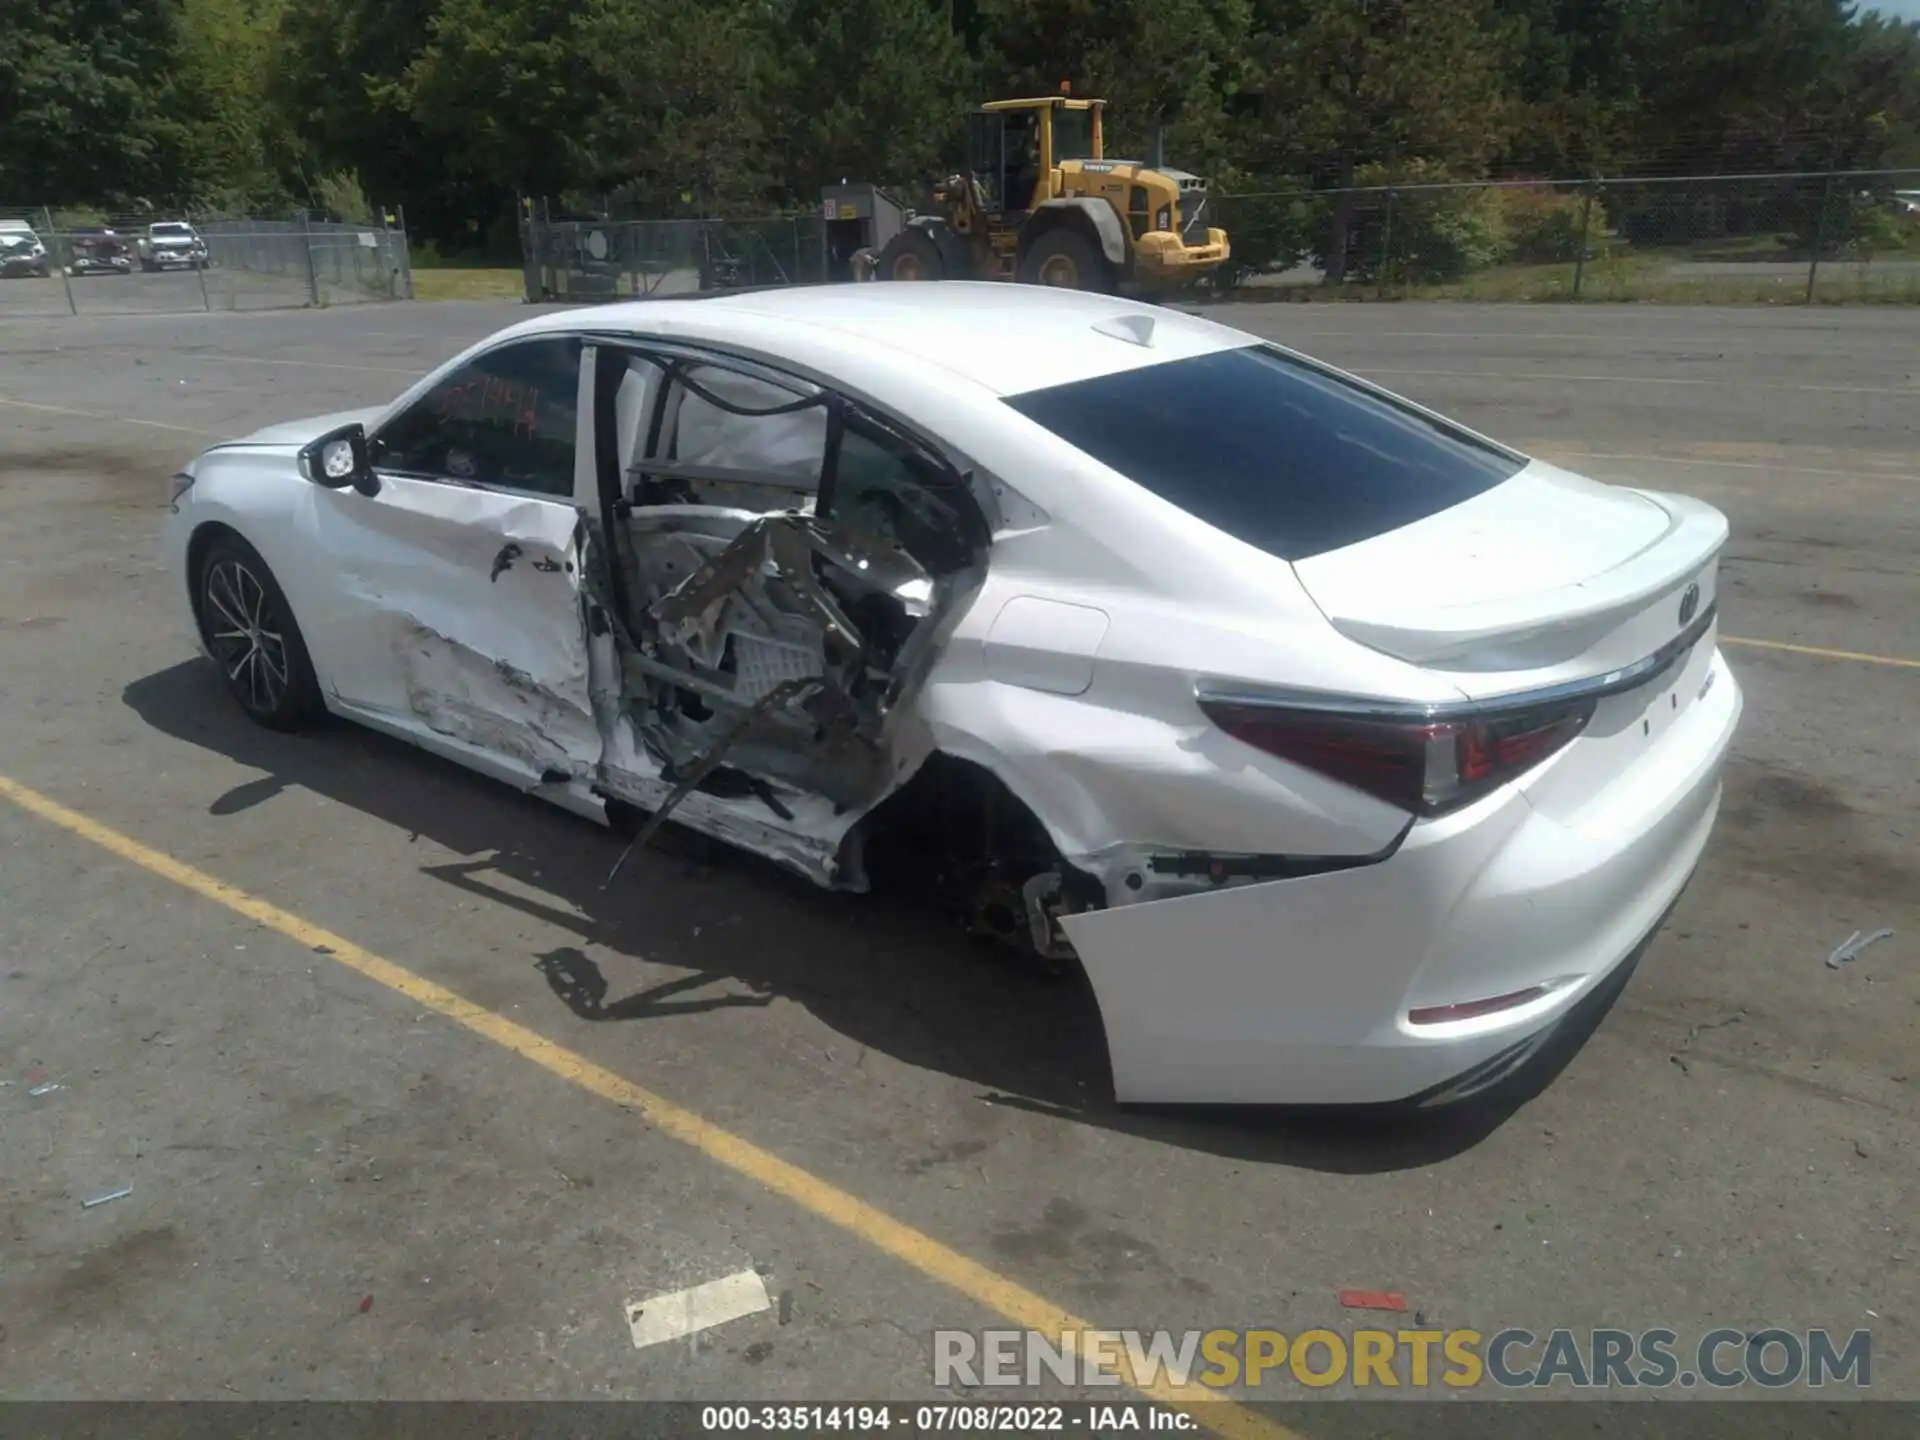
1345	749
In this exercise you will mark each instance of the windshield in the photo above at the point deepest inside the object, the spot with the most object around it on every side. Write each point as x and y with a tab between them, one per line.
1072	134
171	232
1272	449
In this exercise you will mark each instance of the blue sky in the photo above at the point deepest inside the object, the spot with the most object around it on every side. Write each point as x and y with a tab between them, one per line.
1904	9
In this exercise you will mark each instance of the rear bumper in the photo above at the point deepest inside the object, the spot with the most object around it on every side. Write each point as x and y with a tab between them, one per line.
1298	991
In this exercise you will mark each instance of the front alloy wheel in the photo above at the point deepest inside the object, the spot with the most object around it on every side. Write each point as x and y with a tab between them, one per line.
250	633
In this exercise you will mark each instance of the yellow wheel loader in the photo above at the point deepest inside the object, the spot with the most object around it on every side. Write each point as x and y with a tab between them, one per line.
1040	203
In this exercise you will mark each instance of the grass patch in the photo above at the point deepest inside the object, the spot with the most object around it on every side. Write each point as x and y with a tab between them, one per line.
499	283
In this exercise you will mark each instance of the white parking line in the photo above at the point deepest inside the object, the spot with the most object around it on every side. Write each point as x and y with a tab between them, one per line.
699	1307
310	364
1575	455
116	419
1530	376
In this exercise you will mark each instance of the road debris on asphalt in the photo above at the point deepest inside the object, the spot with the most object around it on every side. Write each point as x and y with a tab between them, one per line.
1851	947
366	1304
120	1194
47	1089
1373	1300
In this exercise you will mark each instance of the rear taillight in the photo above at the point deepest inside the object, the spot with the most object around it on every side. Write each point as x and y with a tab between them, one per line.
1421	763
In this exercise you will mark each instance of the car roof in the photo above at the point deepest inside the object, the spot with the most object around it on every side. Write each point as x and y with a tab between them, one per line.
1006	338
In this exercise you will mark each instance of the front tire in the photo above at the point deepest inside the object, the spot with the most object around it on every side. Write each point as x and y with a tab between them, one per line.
248	628
1067	260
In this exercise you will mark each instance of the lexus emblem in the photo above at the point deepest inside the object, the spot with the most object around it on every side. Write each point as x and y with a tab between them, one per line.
1689	602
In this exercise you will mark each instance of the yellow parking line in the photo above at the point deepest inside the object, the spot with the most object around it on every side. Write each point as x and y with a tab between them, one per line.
1006	1298
1823	652
116	419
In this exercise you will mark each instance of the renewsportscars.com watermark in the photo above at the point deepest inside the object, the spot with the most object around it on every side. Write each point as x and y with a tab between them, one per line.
1393	1359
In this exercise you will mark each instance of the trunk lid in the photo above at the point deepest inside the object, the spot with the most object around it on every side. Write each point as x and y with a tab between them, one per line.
1547	577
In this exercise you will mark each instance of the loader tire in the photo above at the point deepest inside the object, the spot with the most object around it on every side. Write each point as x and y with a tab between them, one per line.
911	255
1067	259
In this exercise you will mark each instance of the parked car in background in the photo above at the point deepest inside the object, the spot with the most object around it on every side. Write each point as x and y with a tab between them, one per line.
172	244
21	251
98	251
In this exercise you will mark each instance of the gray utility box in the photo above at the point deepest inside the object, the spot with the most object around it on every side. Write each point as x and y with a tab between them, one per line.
858	217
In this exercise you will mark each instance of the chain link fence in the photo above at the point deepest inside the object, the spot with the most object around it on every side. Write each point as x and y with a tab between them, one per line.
601	260
1767	238
50	265
1772	238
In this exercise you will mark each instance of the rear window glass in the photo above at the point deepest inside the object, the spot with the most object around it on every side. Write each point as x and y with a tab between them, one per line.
1276	452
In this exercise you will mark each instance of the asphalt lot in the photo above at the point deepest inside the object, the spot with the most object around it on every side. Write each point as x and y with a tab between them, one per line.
1734	1145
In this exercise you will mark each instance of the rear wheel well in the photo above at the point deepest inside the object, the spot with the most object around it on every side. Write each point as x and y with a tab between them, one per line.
956	836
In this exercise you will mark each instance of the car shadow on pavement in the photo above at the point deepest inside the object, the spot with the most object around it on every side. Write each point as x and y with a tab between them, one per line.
879	972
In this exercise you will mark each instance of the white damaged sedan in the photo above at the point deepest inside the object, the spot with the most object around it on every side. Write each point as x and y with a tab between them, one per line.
1343	748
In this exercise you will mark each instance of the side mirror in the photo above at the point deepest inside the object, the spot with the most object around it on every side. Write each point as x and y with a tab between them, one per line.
339	459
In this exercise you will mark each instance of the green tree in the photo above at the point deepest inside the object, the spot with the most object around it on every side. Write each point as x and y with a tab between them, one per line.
1378	82
1743	85
337	79
679	123
87	103
1870	99
1167	63
1576	82
874	91
504	92
238	147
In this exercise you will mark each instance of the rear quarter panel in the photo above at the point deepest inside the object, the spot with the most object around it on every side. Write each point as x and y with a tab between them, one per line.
1110	749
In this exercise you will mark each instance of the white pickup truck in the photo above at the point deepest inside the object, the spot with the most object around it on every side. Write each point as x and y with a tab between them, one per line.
172	243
